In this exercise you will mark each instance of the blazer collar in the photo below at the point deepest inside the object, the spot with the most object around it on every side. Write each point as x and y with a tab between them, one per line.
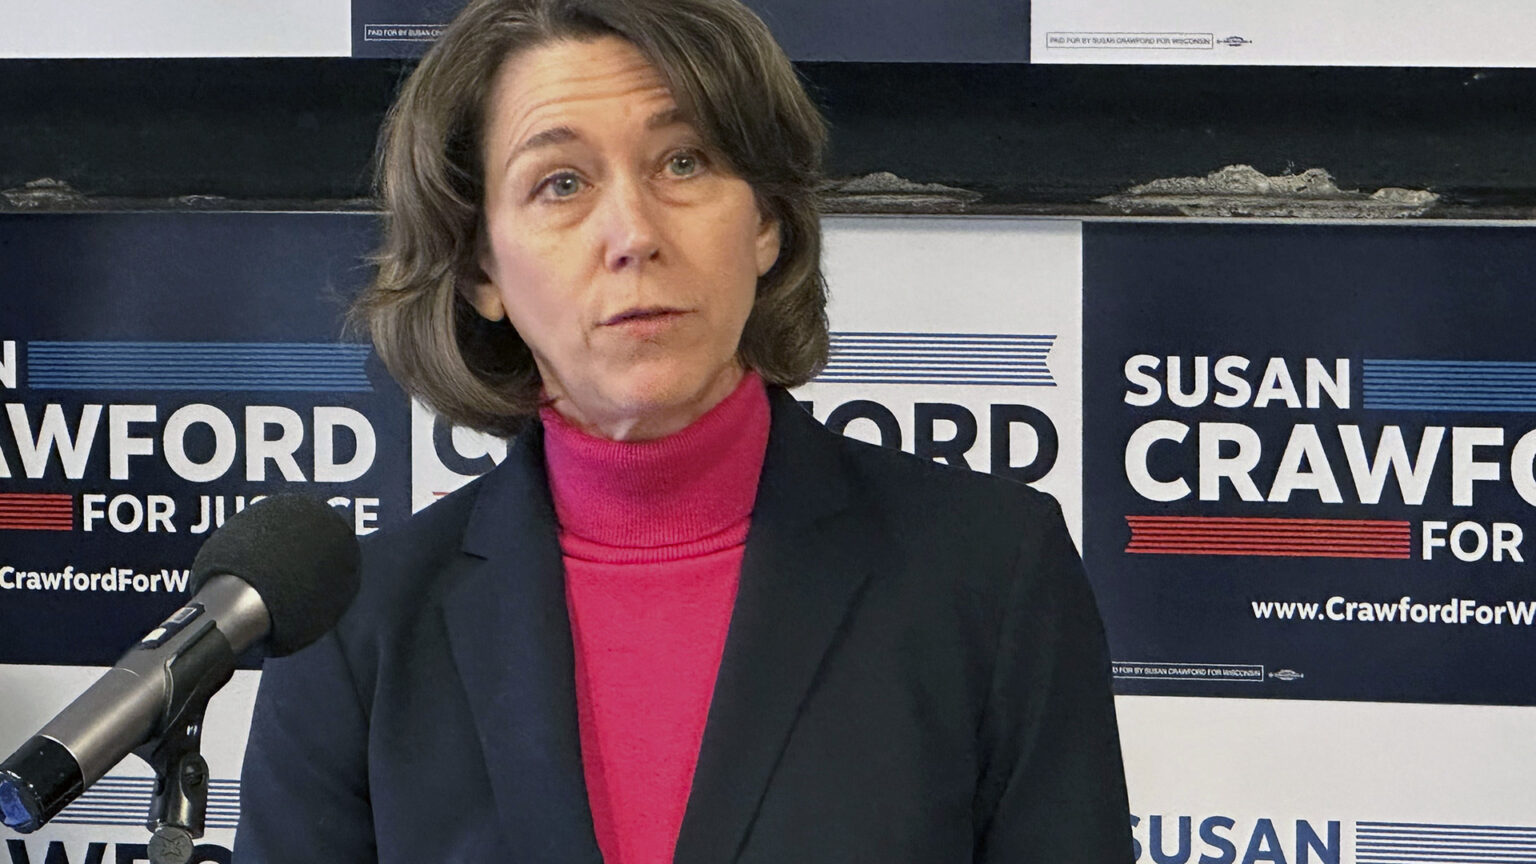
511	640
805	562
510	634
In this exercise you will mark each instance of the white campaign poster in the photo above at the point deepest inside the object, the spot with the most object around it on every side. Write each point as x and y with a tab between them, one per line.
959	340
175	28
1285	32
1242	781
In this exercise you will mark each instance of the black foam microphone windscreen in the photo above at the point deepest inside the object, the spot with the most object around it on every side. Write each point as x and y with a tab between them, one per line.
279	546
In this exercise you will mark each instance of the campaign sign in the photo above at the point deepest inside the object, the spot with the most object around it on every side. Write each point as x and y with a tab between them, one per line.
158	373
945	346
905	31
1299	781
1308	460
175	28
1284	32
985	378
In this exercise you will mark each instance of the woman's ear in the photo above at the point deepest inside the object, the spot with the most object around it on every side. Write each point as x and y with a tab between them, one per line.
480	289
768	243
486	298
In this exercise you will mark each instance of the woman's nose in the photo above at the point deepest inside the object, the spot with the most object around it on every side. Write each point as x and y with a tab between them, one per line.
630	225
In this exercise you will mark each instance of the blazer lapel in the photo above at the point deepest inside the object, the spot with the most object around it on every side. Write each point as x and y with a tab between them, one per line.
802	572
511	641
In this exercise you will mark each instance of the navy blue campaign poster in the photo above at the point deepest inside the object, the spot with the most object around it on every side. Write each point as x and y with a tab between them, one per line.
894	31
398	28
158	372
1308	459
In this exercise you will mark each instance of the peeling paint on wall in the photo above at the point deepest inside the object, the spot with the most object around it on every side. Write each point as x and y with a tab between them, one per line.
884	192
42	193
1242	190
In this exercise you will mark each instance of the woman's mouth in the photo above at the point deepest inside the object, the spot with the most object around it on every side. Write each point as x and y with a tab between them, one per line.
648	313
645	322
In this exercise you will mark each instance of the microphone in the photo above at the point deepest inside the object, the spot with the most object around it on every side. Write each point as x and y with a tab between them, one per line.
280	572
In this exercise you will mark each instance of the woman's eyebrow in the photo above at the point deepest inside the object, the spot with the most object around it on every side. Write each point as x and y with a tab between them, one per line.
563	134
666	117
544	138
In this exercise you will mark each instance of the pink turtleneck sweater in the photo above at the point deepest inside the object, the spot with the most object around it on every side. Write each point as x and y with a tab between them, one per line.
652	534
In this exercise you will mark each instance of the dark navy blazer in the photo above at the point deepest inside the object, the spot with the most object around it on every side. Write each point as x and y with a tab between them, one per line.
915	672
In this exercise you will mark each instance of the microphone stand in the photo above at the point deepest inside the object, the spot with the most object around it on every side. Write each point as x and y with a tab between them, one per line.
179	808
180	805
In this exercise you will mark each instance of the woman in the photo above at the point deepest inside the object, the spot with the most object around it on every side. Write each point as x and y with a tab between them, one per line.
681	621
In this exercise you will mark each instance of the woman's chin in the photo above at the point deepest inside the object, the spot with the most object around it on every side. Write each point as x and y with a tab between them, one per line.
648	406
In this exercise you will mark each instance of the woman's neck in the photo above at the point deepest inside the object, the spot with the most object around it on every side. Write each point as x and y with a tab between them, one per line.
693	485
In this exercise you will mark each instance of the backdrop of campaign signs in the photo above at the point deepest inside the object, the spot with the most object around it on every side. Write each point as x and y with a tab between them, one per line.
1296	460
1471	33
908	31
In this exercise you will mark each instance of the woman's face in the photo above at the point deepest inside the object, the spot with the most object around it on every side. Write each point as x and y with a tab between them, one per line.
624	253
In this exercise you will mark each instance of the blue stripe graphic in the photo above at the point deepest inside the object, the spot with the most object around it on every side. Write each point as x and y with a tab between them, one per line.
1449	385
1414	842
221	366
125	801
991	359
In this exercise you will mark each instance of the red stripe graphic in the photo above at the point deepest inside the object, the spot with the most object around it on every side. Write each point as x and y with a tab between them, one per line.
1273	537
20	511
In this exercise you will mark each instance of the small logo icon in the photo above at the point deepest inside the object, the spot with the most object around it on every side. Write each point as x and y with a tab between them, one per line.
1234	41
1287	675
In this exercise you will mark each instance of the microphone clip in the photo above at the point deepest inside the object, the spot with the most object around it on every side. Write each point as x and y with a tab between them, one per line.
179	809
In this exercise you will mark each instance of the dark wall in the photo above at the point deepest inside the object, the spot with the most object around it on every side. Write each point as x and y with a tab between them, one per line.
1034	139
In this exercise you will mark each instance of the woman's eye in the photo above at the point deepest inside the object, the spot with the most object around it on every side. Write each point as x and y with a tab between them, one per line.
683	164
562	185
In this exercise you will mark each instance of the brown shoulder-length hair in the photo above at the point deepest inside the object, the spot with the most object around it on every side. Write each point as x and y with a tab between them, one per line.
729	77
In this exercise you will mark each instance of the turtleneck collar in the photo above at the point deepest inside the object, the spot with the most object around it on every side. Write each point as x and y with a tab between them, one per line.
686	494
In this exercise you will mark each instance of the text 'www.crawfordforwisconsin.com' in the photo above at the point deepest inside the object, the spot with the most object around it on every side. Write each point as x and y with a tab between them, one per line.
1404	610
